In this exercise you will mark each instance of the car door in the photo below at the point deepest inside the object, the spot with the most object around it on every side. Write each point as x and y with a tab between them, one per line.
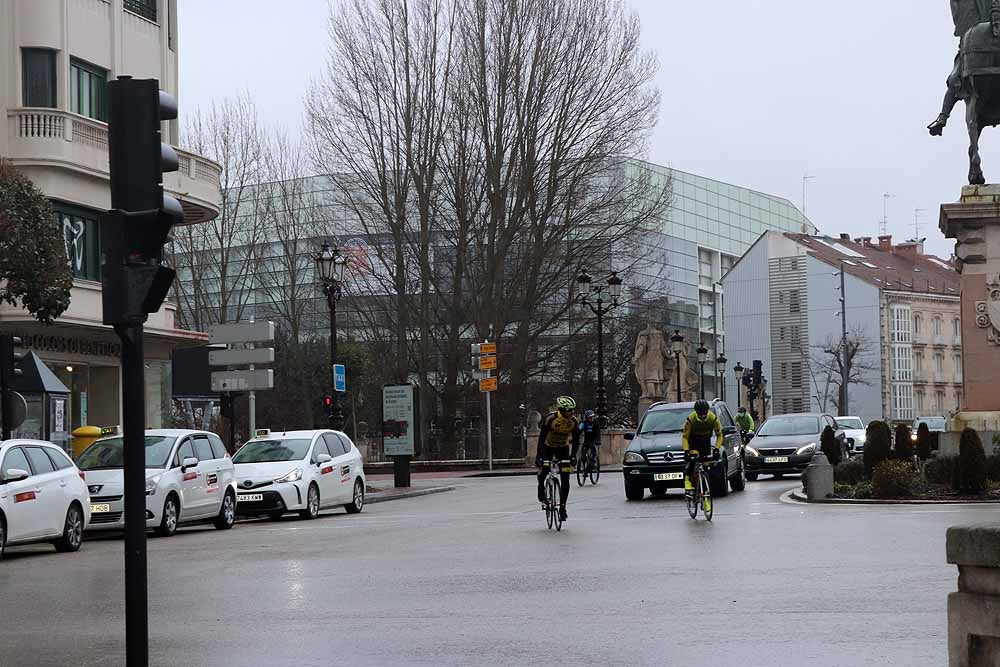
67	475
25	516
224	463
729	435
355	464
189	482
209	468
342	465
326	473
48	491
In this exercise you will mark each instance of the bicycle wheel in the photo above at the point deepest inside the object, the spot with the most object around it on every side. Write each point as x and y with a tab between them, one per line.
706	497
595	467
691	499
582	463
552	502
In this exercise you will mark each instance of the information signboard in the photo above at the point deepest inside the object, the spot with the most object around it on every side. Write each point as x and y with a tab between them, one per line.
398	419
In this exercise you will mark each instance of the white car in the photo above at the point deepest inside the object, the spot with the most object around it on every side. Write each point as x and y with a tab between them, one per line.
854	431
189	477
299	471
42	496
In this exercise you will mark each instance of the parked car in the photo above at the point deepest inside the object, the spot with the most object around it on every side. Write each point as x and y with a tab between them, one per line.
784	444
42	496
189	478
934	424
854	431
655	460
299	471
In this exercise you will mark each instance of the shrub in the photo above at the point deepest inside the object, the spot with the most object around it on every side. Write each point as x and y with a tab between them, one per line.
830	445
850	472
993	468
970	473
863	491
904	443
893	479
923	442
878	446
941	470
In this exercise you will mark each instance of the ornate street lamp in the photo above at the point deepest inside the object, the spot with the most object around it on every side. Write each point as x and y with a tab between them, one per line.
331	265
702	352
677	345
720	364
592	296
738	371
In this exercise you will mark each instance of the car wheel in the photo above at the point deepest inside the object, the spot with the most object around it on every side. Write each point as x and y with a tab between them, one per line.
358	501
72	535
751	476
719	481
168	522
312	503
227	513
739	481
634	491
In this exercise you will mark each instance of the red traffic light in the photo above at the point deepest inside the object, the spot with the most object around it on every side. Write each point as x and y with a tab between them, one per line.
328	401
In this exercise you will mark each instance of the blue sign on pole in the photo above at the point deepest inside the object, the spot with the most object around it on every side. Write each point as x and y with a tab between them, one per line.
339	378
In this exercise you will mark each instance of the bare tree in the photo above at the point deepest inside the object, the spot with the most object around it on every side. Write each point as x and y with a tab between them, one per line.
844	362
216	260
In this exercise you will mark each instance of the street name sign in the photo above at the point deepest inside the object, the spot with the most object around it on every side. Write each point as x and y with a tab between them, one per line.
260	355
487	363
223	381
241	332
339	378
487	348
488	384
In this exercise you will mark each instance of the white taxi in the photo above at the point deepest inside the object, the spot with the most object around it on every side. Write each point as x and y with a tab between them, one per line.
42	496
189	477
298	471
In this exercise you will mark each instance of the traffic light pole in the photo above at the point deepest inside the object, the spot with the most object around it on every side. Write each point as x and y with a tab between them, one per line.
134	422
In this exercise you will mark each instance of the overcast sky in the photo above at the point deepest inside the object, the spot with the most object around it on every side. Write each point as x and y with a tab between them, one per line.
755	92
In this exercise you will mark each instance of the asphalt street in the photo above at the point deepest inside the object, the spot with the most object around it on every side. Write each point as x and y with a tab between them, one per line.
473	577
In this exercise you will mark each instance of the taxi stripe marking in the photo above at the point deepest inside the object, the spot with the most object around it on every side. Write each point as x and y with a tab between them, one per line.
25	496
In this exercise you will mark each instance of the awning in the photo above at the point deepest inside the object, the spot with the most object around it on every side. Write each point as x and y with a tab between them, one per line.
36	378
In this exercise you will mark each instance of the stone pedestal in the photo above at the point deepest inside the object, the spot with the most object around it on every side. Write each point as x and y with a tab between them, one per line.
974	611
644	404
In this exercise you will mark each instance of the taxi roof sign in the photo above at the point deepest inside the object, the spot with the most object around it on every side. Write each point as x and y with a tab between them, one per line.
262	433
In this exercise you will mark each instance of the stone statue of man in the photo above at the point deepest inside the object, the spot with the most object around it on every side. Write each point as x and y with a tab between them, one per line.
647	360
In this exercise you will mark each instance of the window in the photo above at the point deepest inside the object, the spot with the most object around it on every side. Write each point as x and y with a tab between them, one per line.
920	401
918	362
144	8
725	418
705	268
185	451
15	459
900	324
958	400
81	239
88	90
38	77
956	327
335	444
320	448
901	362
218	448
939	362
59	460
937	326
726	262
40	463
902	401
956	360
793	301
916	324
939	402
202	448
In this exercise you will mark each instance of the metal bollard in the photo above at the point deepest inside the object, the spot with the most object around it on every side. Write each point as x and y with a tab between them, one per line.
819	477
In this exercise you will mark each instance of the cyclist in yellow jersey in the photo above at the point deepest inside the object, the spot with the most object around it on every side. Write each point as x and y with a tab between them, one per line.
559	430
697	438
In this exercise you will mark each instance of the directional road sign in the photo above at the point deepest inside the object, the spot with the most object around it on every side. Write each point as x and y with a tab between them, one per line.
487	363
488	384
260	355
339	378
241	332
487	348
242	380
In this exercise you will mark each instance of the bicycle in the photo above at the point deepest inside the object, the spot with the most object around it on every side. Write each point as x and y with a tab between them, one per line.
701	495
588	465
551	486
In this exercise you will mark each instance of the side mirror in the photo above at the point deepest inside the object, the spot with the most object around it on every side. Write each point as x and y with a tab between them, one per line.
729	430
630	436
323	458
189	462
15	475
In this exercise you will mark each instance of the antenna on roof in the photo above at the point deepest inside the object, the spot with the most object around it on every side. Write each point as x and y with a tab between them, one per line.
917	214
885	214
805	179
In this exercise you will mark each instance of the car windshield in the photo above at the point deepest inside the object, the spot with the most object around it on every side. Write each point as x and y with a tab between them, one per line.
933	423
272	451
108	453
800	425
664	421
851	423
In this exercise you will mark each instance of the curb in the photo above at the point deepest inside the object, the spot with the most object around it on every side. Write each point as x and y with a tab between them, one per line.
797	496
375	498
528	473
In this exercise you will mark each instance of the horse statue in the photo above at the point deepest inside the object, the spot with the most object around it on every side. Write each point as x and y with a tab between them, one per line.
976	75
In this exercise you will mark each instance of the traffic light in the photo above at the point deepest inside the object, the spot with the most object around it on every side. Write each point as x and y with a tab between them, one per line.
138	225
9	357
328	403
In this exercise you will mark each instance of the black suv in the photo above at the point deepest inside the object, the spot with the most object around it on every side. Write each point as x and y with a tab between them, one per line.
655	461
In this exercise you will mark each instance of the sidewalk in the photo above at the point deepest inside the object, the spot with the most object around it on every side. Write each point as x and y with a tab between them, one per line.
382	490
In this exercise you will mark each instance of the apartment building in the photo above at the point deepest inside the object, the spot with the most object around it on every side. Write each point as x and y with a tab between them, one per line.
56	57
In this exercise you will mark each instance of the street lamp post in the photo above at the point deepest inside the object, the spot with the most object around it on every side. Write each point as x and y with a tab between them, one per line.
677	344
738	371
592	296
331	264
720	363
702	352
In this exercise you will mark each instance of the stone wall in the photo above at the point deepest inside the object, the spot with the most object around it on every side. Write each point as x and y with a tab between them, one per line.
974	610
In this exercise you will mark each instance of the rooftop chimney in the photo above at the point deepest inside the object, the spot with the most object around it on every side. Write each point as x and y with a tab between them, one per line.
885	242
866	241
910	250
845	237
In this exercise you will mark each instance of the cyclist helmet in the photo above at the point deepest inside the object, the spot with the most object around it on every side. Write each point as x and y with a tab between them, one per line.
566	403
589	414
701	407
742	410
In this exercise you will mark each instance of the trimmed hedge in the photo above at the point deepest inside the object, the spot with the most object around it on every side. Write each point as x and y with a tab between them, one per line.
893	479
970	473
941	470
993	468
849	472
923	442
878	446
904	443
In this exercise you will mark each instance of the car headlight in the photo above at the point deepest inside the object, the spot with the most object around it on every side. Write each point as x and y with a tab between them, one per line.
861	438
293	476
151	483
634	457
808	449
751	451
913	437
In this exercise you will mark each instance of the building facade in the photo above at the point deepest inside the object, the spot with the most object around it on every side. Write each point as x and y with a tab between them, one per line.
56	57
786	311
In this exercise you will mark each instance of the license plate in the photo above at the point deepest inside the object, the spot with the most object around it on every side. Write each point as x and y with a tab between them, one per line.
96	508
250	497
667	476
776	459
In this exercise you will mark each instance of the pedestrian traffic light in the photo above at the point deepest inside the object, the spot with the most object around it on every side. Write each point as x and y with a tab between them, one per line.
138	225
328	402
9	358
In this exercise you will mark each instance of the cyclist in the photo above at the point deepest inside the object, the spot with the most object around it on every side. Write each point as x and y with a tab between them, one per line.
591	431
696	439
744	420
559	429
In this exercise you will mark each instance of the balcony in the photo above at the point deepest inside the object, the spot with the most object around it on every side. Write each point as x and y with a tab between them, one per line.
41	138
